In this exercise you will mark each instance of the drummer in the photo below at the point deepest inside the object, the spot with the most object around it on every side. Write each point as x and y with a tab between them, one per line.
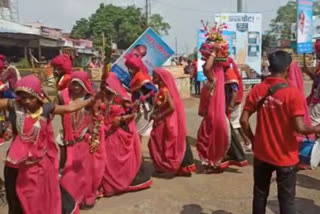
275	147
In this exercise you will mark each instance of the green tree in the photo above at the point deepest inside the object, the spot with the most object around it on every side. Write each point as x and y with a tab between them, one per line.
286	15
122	25
81	29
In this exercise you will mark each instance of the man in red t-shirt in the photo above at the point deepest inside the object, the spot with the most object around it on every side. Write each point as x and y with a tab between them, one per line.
279	117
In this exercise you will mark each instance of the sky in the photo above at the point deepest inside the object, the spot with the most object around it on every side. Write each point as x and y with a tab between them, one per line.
184	16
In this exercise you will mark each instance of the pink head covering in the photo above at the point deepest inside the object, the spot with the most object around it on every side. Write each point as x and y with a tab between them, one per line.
31	85
135	63
113	84
295	79
83	79
63	62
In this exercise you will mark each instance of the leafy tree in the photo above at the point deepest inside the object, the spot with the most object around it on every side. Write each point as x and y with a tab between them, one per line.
81	30
286	15
266	41
122	25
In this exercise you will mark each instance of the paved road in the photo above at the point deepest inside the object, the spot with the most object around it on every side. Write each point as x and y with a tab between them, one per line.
230	192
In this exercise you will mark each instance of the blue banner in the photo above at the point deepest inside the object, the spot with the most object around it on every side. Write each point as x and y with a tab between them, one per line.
151	48
201	39
304	26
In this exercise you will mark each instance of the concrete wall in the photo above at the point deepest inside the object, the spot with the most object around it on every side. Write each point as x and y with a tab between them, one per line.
182	80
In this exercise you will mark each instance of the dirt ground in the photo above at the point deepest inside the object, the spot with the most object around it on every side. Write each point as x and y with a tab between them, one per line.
230	192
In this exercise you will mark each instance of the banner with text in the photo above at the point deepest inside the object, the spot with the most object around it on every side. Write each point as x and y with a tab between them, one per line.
304	26
151	48
246	31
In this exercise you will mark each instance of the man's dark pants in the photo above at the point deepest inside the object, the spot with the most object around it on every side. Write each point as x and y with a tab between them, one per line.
286	180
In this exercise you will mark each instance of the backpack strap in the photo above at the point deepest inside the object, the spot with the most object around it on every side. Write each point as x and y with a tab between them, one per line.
272	90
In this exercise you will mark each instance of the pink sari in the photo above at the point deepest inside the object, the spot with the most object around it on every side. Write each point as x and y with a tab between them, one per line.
80	171
167	143
35	154
295	79
75	172
122	145
213	135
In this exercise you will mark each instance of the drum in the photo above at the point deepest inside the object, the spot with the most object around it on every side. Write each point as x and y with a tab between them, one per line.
310	153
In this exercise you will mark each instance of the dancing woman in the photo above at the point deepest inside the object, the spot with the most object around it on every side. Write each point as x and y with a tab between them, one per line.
142	90
168	147
77	170
62	65
122	143
31	172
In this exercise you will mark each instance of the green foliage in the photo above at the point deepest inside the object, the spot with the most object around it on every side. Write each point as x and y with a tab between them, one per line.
286	15
23	63
266	41
122	25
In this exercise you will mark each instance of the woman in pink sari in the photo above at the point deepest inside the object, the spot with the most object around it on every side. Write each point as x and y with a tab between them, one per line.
62	65
168	147
122	143
295	78
217	144
77	173
31	172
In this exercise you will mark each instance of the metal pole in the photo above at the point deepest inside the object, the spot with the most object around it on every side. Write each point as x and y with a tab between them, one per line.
176	46
147	11
241	4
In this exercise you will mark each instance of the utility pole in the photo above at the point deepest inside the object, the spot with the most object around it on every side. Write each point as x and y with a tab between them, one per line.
147	11
241	6
176	46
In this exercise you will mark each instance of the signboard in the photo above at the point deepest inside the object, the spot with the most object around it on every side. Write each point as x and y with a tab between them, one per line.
51	32
227	35
155	53
201	39
304	26
247	42
316	27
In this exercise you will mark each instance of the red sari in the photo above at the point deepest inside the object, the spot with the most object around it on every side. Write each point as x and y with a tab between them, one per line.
122	144
34	153
214	134
167	143
83	170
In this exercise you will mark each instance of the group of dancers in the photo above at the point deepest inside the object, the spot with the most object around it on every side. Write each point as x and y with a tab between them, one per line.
98	152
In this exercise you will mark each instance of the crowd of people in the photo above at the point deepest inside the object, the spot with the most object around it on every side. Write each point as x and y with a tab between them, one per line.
98	152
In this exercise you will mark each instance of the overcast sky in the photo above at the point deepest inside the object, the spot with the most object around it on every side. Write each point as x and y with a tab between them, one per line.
183	15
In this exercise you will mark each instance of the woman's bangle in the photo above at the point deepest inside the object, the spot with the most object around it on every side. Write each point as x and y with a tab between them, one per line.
213	54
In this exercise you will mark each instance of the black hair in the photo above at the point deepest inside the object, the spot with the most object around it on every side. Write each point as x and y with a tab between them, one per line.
139	45
279	61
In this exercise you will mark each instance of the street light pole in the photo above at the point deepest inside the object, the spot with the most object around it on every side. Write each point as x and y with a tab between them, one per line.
241	6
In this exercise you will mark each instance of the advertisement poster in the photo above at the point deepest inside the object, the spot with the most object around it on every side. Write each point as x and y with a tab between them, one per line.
227	35
304	22
316	27
201	39
151	48
247	43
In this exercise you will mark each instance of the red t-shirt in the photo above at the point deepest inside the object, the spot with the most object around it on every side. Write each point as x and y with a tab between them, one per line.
275	139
